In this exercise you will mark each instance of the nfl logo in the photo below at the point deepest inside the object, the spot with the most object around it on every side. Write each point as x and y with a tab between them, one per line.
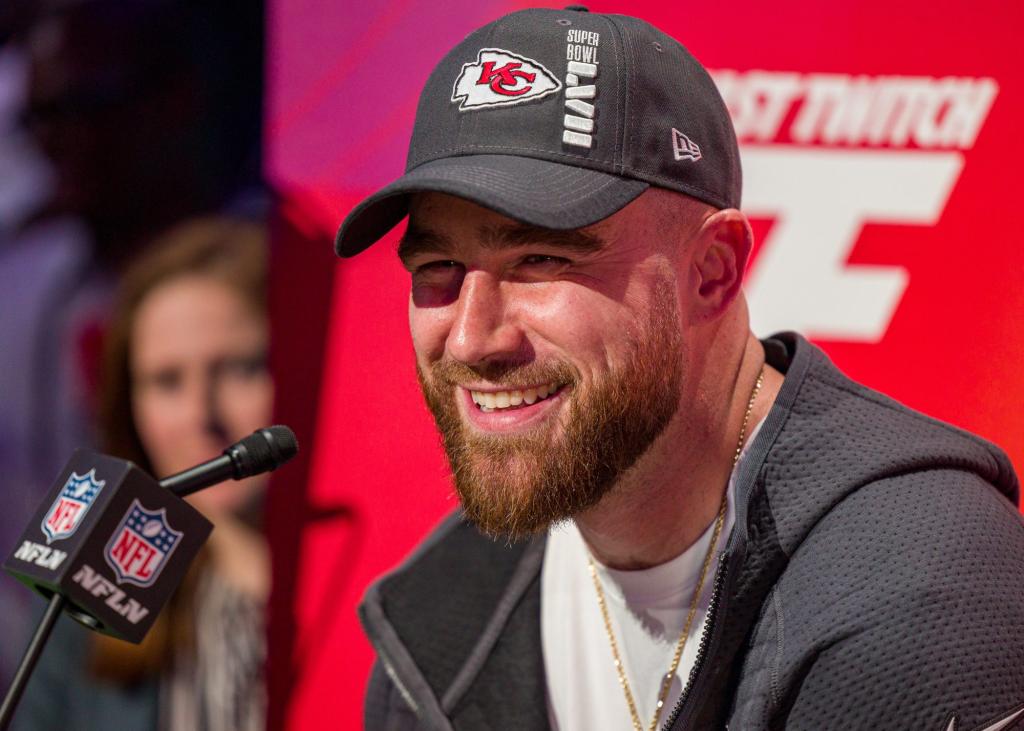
70	507
141	545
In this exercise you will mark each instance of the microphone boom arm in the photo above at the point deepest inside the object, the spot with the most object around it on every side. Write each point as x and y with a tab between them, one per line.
262	451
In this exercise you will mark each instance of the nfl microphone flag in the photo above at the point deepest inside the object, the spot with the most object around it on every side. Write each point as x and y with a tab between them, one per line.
112	541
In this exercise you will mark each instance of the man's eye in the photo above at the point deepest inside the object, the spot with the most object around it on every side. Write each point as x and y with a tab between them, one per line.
437	266
541	259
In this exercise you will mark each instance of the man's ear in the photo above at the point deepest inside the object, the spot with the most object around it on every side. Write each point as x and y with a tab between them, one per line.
722	247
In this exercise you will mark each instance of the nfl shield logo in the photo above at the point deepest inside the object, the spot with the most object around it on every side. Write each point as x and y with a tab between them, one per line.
141	545
70	507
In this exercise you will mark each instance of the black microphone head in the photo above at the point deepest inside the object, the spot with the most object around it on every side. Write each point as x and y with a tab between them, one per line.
263	450
282	441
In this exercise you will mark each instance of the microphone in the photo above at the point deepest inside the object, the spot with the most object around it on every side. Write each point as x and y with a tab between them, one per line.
262	451
110	544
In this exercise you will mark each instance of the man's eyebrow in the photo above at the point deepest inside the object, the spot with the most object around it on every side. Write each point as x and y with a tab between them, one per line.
521	234
417	241
420	241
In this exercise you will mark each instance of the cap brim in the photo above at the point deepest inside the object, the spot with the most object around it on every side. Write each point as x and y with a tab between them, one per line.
537	192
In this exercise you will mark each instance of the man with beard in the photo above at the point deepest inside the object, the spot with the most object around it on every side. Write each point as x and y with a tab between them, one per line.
664	520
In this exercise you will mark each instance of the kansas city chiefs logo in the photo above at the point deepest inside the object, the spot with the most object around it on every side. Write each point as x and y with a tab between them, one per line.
498	78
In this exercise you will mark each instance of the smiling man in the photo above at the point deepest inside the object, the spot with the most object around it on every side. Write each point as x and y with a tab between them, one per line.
664	521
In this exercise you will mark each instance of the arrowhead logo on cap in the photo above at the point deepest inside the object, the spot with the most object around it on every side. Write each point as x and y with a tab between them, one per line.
500	78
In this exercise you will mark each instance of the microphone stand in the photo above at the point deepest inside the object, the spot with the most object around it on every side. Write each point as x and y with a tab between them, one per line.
30	658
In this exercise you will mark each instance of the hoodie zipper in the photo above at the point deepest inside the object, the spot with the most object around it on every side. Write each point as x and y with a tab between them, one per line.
702	648
389	670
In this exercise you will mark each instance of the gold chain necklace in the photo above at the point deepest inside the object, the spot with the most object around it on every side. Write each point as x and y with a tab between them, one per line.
666	682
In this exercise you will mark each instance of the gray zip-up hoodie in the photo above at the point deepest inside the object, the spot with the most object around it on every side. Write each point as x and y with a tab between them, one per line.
874	580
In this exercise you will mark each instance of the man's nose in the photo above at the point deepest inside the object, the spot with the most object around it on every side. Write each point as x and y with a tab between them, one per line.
482	329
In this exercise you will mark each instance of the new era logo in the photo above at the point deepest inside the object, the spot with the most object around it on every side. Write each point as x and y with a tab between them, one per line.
683	148
499	78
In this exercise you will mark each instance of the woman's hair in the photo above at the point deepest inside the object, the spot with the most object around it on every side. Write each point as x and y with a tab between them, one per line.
234	252
231	250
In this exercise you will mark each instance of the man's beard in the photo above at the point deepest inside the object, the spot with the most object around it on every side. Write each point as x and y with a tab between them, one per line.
518	484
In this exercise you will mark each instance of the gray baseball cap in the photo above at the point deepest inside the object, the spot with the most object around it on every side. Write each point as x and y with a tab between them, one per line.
559	118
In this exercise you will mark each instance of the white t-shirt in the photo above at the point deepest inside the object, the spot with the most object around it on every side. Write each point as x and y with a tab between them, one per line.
648	610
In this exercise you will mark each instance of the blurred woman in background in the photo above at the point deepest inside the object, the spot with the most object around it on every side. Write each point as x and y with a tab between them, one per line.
185	376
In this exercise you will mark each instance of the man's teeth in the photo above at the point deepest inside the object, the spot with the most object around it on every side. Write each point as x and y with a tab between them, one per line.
493	400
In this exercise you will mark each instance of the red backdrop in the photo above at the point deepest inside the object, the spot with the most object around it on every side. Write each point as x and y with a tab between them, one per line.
881	152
